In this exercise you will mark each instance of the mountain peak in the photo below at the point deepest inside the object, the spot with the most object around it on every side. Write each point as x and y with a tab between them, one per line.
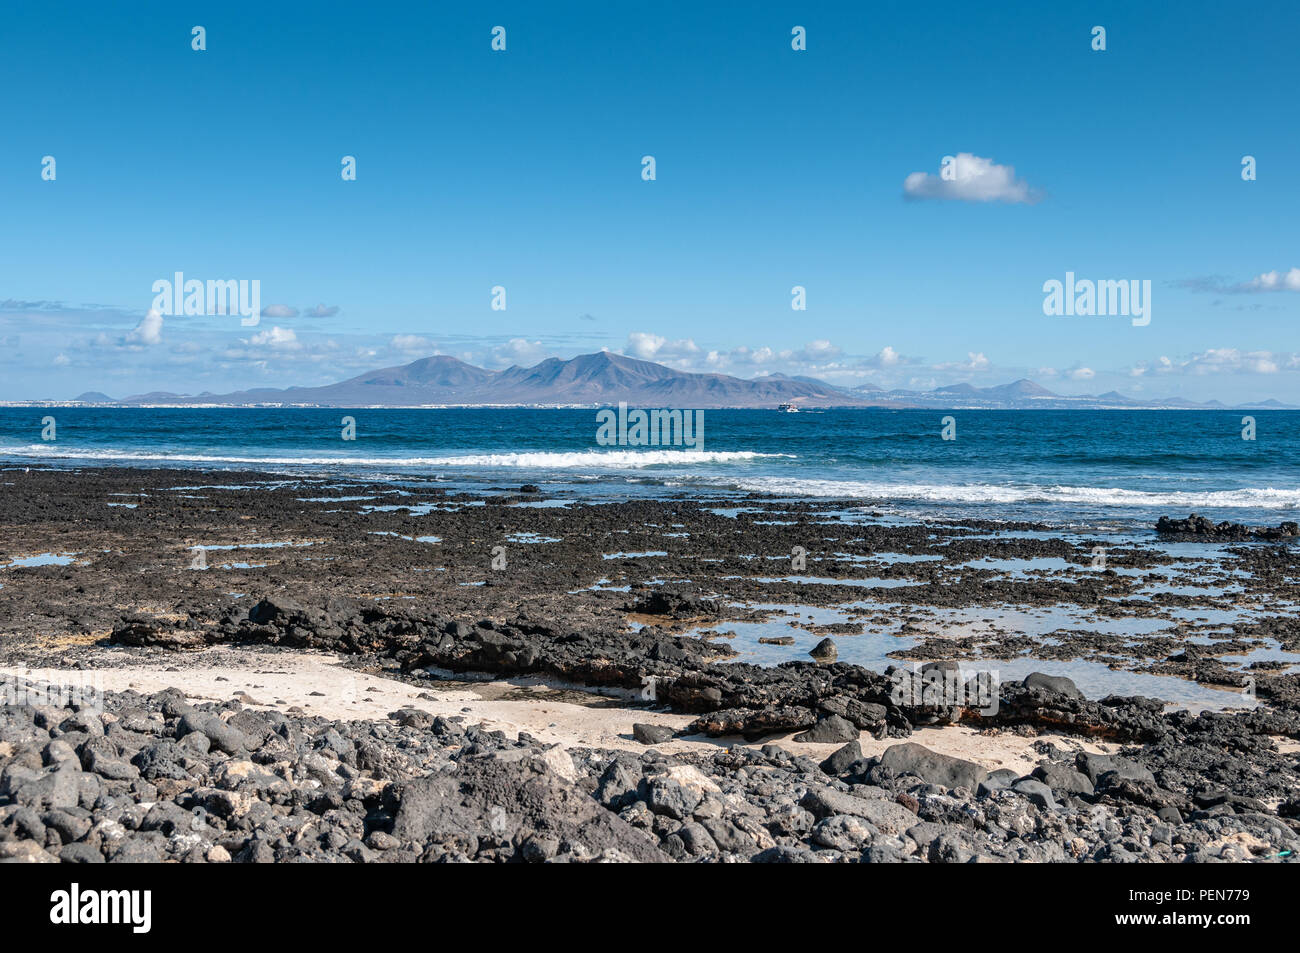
439	370
1025	388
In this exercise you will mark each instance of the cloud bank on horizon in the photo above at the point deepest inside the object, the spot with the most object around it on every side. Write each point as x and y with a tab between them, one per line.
282	356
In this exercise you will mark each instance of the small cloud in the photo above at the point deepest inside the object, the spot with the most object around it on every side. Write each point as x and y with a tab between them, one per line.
1221	360
322	311
975	362
1268	281
279	311
652	347
1273	281
888	357
276	337
1208	284
587	317
520	351
147	332
814	352
971	178
411	342
747	356
15	304
61	360
1082	374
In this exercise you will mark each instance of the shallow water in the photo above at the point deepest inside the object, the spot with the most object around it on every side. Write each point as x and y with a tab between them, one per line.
41	559
867	583
873	649
531	538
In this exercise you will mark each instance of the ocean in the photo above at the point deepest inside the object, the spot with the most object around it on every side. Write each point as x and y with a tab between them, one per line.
1120	468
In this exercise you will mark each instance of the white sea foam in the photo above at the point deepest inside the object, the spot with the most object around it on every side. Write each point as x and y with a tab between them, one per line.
593	459
596	461
1246	497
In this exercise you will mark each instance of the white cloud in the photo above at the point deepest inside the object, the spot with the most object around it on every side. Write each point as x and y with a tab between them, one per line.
814	352
1268	281
411	343
975	362
1274	281
970	178
148	331
820	358
1082	374
520	351
888	357
276	337
749	356
652	347
1222	360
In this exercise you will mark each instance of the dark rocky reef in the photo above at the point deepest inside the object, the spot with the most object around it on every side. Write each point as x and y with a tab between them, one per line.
1199	527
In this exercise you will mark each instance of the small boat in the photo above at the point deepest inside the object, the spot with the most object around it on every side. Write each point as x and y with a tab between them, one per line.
788	408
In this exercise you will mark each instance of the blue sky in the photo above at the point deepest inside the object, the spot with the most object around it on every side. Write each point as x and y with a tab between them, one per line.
775	168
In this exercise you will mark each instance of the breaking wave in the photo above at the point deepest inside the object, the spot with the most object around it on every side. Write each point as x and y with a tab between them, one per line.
591	459
1245	497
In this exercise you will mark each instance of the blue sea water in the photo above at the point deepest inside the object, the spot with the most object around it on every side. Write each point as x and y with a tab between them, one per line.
1071	467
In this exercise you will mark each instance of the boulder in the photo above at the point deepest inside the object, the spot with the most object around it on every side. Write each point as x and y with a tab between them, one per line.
486	801
830	730
931	766
649	734
1057	684
1063	779
825	651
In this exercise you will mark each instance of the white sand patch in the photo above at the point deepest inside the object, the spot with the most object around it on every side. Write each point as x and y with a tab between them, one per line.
1287	745
318	684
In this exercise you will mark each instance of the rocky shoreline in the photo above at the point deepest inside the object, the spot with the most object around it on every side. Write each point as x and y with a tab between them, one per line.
634	597
154	778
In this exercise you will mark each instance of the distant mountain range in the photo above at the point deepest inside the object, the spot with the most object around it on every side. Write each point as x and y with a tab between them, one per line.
605	378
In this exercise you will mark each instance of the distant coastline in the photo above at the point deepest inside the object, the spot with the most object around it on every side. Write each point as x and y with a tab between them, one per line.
604	379
1082	405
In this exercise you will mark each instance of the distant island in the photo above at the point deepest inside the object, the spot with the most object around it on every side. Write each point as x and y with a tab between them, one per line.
605	378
